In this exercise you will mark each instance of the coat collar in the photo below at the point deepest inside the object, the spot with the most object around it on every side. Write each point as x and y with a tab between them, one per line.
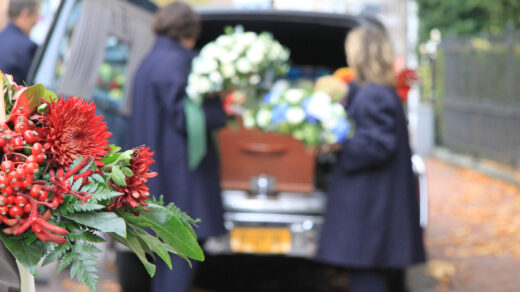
14	28
164	42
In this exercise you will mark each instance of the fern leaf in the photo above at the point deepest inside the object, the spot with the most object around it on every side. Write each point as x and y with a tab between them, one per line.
66	260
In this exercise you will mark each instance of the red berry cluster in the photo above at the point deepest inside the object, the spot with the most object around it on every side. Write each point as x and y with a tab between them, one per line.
25	199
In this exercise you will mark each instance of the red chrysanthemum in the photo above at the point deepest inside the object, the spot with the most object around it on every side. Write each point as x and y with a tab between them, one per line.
135	192
72	129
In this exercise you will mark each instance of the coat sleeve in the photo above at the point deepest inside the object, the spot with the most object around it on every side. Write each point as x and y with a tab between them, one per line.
214	113
171	98
375	138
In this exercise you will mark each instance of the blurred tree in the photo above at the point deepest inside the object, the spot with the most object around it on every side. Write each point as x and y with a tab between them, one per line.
466	17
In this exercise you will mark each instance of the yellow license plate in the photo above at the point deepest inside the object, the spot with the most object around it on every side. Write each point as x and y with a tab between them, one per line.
260	240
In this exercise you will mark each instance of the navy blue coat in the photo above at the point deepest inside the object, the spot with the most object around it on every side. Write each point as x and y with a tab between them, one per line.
16	52
372	215
158	121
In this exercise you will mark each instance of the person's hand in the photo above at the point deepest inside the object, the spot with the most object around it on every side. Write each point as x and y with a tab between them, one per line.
328	148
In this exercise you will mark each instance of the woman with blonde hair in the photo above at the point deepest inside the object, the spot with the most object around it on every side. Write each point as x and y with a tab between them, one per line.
372	219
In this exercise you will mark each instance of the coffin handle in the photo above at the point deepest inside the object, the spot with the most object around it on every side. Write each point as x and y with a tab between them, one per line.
263	148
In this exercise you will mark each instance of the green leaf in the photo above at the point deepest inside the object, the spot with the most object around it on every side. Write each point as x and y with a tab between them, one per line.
110	159
102	192
102	221
85	272
55	254
27	255
50	96
65	261
77	184
87	207
97	178
113	149
127	172
118	176
155	244
29	98
136	246
125	157
87	248
90	236
42	108
172	231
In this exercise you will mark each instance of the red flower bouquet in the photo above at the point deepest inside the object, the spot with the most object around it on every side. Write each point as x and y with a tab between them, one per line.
62	185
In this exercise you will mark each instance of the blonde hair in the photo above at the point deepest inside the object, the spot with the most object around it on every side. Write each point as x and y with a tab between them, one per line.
371	56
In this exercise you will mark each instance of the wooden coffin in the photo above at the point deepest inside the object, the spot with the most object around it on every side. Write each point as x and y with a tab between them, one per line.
248	153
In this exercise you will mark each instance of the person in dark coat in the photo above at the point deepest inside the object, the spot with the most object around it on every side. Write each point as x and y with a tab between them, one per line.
371	222
158	120
16	49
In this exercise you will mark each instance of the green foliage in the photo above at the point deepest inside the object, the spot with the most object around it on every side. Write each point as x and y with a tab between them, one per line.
101	195
154	243
100	192
166	223
79	252
50	96
466	17
72	205
117	176
102	221
139	247
116	165
85	221
29	255
83	258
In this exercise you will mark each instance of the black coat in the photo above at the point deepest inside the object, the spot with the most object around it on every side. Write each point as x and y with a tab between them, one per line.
372	216
16	52
158	121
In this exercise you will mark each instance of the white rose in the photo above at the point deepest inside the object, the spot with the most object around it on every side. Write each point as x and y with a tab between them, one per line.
338	110
246	38
203	85
320	106
210	51
225	41
294	95
255	79
330	123
205	66
295	115
263	118
215	77
243	66
276	51
228	57
248	120
192	92
228	70
255	54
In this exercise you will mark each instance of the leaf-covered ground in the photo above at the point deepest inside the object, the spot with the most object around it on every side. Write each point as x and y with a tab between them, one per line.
474	233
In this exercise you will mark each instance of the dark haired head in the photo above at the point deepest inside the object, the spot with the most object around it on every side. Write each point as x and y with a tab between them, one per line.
17	6
178	21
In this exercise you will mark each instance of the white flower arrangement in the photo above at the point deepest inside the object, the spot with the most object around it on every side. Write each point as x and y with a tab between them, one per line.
236	60
306	115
